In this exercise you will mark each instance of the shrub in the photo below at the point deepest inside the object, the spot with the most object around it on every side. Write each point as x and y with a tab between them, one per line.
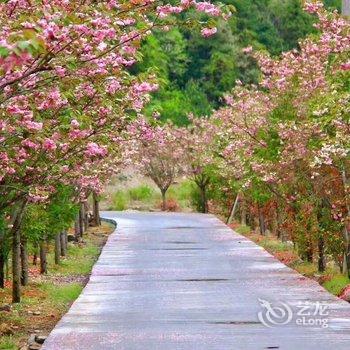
183	191
120	200
195	198
141	193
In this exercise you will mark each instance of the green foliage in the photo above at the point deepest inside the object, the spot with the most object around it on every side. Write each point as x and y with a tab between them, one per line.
4	52
259	193
44	221
290	22
197	99
181	191
333	4
196	199
35	223
172	104
4	239
196	72
185	193
141	193
119	200
61	211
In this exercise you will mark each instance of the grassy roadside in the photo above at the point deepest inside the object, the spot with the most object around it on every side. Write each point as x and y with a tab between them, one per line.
331	279
47	298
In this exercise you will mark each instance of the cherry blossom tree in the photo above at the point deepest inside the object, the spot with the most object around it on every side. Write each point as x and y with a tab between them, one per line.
289	136
157	153
200	155
66	93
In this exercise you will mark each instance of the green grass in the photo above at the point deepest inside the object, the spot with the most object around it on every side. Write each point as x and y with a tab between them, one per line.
7	343
119	201
275	245
306	268
62	294
80	262
337	284
142	193
16	317
243	229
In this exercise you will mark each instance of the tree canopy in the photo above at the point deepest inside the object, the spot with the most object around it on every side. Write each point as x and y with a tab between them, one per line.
195	72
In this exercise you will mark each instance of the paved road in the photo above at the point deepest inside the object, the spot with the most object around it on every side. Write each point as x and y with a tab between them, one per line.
186	281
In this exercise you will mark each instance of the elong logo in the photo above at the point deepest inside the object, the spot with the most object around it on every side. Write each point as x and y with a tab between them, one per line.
279	314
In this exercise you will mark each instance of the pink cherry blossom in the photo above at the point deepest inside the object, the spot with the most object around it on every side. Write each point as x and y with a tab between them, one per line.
206	32
49	144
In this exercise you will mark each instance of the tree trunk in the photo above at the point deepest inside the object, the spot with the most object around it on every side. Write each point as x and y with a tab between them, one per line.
204	200
86	216
243	212
346	7
57	248
35	255
309	252
63	243
16	265
24	262
261	221
43	260
7	270
252	220
2	269
279	223
321	257
2	259
81	220
233	210
96	211
346	264
16	252
77	228
163	199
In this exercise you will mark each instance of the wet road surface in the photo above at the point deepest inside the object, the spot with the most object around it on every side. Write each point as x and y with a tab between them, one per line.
186	281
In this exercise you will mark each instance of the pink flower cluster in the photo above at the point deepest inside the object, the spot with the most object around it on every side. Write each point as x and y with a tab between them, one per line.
208	8
94	150
145	87
206	32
